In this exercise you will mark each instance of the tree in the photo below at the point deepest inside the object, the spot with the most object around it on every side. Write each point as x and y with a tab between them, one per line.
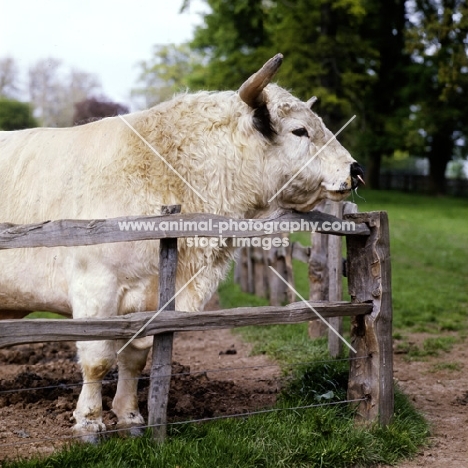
384	110
9	78
325	55
15	115
437	40
94	109
54	92
350	53
165	74
233	41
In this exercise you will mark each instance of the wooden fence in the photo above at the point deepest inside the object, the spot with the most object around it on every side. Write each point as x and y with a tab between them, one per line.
370	308
325	266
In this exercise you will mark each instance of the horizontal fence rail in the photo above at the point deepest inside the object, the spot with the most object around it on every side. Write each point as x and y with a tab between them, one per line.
99	231
124	327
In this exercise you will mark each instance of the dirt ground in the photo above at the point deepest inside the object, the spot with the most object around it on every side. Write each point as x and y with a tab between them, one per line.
47	412
27	419
442	395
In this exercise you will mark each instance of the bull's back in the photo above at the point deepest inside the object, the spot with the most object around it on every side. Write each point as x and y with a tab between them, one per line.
57	173
51	174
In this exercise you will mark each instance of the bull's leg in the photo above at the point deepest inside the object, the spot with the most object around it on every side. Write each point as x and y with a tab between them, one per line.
94	292
131	362
96	359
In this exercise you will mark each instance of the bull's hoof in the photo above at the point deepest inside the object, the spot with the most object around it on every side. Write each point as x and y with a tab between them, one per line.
133	425
136	431
89	432
130	431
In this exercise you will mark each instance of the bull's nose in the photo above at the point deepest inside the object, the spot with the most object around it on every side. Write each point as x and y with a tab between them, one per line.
357	175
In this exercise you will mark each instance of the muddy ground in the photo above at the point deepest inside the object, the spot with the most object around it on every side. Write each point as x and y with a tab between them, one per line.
26	416
27	419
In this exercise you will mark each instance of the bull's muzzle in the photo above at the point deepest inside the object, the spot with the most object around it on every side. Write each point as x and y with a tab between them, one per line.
357	175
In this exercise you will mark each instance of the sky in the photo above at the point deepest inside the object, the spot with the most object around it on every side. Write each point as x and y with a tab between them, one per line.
104	37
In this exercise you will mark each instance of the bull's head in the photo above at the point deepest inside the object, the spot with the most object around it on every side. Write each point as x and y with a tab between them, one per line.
306	162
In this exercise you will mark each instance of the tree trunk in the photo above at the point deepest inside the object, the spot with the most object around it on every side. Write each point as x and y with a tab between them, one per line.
372	174
439	156
329	78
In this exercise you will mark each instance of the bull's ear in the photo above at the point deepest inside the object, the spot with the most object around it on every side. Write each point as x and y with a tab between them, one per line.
251	92
312	101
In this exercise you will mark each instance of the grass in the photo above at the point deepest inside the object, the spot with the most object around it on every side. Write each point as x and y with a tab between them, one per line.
448	366
431	347
44	315
323	437
430	294
429	252
286	344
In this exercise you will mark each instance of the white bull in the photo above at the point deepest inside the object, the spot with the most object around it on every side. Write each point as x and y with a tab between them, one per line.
236	149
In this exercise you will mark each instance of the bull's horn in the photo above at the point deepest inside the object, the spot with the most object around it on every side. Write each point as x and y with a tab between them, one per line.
312	101
251	92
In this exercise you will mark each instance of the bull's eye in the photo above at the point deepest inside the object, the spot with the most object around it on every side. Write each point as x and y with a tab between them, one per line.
300	132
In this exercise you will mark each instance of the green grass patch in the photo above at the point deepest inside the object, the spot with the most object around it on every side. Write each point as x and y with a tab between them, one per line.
323	437
285	343
431	347
446	366
44	315
429	251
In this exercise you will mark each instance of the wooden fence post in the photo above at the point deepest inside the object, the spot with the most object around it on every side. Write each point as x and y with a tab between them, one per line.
325	273
369	280
335	283
280	259
318	275
251	271
161	366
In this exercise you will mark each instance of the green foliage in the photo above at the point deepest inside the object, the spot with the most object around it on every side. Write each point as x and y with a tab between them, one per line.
232	40
171	69
345	52
318	382
325	54
15	115
436	39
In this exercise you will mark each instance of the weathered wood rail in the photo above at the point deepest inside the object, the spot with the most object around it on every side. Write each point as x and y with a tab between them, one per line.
100	231
368	266
124	327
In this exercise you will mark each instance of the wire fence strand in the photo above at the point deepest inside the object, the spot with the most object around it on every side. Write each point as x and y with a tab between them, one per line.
177	374
190	421
64	386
